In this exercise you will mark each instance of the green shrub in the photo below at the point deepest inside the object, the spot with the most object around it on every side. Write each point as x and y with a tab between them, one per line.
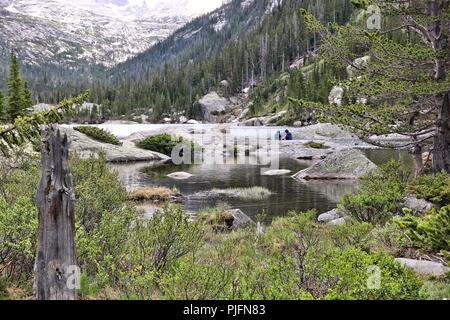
380	195
390	238
435	189
349	272
99	134
162	143
316	145
97	189
436	290
18	233
431	231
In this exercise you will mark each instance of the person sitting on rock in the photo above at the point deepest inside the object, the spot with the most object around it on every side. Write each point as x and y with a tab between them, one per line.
288	135
278	135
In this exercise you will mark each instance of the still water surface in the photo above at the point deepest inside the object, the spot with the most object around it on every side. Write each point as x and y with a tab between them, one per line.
288	193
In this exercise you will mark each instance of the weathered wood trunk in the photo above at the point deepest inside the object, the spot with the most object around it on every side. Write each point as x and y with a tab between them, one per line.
441	145
55	256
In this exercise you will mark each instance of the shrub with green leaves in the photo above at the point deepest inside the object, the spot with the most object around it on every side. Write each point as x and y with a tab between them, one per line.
97	189
99	134
18	235
380	195
431	231
162	143
293	259
435	189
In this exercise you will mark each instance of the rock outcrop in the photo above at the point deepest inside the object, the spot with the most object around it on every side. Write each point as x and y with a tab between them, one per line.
329	216
336	95
424	267
212	106
127	152
344	164
240	219
418	206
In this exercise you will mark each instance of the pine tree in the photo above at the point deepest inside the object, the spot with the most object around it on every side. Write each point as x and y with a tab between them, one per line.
27	96
2	107
15	90
404	78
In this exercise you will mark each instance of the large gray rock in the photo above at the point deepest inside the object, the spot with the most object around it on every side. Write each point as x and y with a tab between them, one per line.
329	216
418	206
128	152
424	267
212	105
240	219
344	164
336	95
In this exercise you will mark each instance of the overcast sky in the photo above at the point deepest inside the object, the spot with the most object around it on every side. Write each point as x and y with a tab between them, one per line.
189	6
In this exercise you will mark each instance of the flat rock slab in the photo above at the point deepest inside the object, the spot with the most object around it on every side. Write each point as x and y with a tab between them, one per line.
180	175
276	172
344	164
424	267
127	152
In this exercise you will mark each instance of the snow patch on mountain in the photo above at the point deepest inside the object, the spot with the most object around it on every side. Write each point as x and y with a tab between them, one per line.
96	32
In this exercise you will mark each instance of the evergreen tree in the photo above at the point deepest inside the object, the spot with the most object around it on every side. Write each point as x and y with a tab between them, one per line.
15	90
2	107
27	96
403	79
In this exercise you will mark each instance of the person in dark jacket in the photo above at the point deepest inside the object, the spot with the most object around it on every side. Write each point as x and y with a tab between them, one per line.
288	135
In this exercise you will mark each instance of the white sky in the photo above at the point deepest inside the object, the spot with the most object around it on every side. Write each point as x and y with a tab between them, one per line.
187	7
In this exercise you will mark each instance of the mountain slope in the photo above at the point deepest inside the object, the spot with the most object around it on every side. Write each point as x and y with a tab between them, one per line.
244	43
56	37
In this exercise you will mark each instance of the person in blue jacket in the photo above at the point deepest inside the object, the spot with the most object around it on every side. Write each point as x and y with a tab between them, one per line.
288	135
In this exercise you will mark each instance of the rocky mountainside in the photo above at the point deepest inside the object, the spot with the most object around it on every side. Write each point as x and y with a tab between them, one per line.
103	32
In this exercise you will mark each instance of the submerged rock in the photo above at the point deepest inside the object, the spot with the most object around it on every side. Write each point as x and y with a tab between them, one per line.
276	172
180	175
424	267
344	164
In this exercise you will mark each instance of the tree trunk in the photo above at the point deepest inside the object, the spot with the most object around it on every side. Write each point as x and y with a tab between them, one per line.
441	146
55	256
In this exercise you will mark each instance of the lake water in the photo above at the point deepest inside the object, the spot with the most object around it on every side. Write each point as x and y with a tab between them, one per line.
288	193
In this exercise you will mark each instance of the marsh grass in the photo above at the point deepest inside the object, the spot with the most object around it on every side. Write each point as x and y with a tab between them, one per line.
246	194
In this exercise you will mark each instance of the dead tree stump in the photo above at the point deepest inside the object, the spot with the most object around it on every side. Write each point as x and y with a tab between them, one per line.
55	257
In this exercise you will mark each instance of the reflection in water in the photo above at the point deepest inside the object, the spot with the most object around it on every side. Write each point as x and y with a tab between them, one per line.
288	194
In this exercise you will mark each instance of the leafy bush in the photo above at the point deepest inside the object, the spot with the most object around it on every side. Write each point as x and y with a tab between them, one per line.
162	143
293	259
349	271
436	290
431	231
99	134
390	238
97	189
380	195
18	233
435	189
